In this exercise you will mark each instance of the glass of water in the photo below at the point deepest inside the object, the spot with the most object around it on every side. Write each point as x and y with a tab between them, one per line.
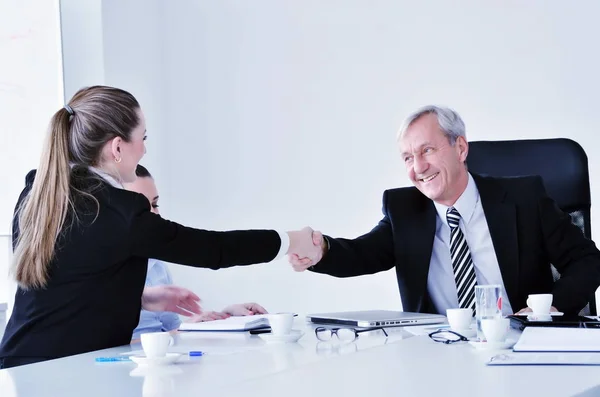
488	304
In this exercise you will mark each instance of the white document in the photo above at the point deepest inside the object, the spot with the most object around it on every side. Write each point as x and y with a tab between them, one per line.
239	323
557	339
545	359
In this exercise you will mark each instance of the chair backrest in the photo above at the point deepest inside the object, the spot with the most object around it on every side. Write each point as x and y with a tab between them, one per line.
562	164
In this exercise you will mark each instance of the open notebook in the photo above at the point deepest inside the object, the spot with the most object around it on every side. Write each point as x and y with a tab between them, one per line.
242	323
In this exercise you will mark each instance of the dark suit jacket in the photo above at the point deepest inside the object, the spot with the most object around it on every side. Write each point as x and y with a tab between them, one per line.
529	232
93	298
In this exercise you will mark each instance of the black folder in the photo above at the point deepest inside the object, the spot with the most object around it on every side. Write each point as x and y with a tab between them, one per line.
572	321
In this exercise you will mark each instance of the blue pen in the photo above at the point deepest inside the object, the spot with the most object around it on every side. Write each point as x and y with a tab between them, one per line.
196	354
111	359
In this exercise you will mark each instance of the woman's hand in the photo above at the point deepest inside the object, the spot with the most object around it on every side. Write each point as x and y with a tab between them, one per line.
207	316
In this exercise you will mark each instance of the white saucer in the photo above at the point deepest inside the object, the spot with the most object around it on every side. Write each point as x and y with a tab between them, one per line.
536	314
468	333
507	344
170	358
293	336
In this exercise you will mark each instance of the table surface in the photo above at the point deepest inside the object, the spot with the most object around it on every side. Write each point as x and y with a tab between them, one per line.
238	364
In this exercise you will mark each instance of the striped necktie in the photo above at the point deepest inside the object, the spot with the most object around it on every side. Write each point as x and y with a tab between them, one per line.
462	264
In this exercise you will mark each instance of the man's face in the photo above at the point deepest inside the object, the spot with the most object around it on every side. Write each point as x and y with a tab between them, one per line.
434	166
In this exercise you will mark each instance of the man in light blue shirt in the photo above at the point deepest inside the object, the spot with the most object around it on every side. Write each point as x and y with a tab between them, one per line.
158	274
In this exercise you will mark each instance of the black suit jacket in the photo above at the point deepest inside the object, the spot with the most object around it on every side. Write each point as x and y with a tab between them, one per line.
529	232
93	298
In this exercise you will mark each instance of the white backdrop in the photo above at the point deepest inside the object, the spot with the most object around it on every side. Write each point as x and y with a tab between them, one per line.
31	90
282	114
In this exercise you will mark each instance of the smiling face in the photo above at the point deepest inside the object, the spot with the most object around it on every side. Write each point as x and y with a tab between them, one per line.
434	166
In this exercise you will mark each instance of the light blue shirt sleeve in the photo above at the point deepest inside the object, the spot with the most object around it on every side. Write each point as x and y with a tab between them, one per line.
158	274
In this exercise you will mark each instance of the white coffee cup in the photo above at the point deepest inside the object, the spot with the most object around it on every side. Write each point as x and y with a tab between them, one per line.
281	323
495	329
459	319
540	303
155	344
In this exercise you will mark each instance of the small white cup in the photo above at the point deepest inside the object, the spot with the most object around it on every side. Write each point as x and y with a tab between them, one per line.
281	324
495	329
155	344
540	303
459	319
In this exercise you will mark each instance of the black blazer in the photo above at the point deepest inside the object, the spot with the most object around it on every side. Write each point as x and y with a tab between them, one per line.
529	232
93	298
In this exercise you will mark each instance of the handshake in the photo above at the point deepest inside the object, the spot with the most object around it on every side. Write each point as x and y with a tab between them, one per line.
307	247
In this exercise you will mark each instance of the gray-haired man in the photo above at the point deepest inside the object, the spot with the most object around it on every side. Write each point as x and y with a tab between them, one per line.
454	230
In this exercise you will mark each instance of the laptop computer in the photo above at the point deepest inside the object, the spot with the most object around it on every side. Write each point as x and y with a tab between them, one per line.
375	318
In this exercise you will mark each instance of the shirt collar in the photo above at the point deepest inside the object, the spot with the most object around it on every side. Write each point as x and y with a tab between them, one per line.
107	177
465	205
151	263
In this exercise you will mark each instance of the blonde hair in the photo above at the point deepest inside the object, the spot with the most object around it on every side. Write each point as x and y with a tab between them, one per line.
75	137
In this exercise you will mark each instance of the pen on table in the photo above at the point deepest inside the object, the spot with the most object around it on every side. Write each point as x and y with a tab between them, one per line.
111	359
196	353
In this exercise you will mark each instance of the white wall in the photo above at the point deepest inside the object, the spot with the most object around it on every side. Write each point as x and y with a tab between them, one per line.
281	114
30	92
133	51
117	43
284	114
83	45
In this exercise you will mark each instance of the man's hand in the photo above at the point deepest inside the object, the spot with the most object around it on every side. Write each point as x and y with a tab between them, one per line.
528	310
170	298
319	248
245	309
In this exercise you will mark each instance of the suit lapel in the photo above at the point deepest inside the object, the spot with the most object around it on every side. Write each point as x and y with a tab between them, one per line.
501	218
421	233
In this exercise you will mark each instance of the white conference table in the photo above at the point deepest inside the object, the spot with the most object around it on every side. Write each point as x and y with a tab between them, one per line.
244	365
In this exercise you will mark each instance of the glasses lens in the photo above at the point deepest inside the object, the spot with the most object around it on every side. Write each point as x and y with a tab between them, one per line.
323	334
346	334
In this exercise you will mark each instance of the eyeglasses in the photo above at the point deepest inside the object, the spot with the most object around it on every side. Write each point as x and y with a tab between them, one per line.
446	336
343	334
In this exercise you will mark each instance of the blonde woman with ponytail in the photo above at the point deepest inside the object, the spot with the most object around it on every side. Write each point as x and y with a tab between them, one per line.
81	242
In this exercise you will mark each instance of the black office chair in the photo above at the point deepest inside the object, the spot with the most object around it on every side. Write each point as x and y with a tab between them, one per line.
562	164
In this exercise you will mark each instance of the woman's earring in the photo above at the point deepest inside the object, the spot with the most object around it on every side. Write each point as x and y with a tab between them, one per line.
117	160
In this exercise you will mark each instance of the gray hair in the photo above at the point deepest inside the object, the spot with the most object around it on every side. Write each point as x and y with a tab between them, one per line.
448	119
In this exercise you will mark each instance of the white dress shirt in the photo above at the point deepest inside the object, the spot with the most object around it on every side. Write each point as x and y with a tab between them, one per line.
440	281
283	236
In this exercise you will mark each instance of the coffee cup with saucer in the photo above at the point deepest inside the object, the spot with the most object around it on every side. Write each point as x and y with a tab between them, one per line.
155	345
460	321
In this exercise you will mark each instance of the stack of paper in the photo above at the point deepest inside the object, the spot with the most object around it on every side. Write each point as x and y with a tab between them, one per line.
557	339
243	323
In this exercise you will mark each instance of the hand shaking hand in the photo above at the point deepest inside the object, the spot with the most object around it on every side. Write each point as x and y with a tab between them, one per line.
307	247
